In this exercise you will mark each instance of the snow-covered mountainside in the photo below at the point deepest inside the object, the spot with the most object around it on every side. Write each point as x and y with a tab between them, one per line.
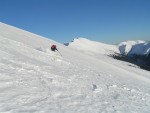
92	47
33	79
134	47
141	49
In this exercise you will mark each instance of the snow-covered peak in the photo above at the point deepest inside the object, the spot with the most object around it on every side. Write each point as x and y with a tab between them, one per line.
125	47
92	47
80	39
140	49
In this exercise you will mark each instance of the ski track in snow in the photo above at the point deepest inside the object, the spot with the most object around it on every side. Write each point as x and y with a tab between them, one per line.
38	81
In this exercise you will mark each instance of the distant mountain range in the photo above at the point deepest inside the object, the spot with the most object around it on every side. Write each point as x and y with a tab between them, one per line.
135	48
137	52
125	48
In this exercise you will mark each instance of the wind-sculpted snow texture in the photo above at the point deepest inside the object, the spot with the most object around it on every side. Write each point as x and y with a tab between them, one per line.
35	80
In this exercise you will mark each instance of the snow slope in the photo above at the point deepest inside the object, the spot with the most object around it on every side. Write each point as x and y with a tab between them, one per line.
88	46
134	47
35	80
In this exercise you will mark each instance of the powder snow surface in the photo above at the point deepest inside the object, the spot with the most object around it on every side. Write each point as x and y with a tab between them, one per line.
35	80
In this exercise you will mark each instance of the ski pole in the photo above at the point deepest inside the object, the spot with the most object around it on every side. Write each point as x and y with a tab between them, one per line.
59	53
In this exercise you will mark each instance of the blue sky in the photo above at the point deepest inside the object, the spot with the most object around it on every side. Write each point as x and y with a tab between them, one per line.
107	21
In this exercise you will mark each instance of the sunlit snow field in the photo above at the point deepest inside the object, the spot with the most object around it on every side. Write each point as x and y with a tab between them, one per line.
33	79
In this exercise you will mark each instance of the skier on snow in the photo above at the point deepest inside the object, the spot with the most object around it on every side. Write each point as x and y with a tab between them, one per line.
53	48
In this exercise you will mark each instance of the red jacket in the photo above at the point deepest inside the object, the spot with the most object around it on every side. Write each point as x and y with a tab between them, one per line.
53	47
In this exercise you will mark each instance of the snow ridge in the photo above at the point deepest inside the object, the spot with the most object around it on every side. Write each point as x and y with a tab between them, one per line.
92	47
